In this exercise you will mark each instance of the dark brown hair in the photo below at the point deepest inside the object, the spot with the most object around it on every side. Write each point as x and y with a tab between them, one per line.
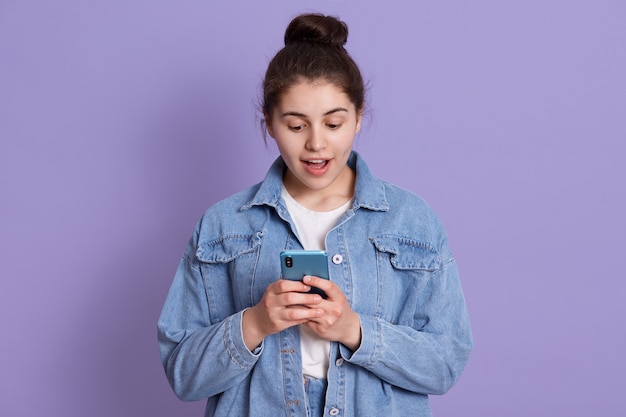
314	50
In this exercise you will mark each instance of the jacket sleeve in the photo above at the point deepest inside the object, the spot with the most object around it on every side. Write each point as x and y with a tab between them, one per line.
201	358
426	359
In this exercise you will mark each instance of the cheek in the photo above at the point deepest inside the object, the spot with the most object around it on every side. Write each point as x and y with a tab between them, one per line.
347	140
288	149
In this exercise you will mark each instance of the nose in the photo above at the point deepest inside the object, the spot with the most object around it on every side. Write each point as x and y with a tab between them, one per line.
316	141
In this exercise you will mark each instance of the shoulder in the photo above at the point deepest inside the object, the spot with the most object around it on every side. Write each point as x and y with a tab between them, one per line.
227	215
226	229
393	210
233	203
408	204
410	218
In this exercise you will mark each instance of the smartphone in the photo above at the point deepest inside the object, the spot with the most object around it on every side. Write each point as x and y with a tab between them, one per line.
295	264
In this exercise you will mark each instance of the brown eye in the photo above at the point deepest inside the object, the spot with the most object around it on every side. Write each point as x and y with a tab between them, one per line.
296	128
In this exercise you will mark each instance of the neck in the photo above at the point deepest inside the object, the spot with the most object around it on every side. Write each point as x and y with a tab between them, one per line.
326	199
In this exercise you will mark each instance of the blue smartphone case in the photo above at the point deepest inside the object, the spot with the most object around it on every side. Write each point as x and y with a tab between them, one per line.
295	264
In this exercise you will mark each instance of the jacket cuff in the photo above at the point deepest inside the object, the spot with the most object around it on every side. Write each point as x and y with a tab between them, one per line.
369	348
237	349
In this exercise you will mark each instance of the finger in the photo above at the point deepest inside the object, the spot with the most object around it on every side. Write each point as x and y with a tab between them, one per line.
325	285
303	299
303	314
284	286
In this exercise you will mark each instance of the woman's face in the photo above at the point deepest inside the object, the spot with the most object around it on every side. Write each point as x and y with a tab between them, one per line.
314	126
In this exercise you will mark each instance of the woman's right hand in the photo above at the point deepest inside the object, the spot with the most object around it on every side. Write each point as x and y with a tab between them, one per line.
284	304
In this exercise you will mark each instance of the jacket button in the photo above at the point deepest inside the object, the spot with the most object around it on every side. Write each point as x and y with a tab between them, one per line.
337	259
339	362
333	411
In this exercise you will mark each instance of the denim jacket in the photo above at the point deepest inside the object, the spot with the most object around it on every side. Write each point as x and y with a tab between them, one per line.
388	253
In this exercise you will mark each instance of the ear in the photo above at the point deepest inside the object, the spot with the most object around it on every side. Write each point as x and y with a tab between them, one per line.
268	125
359	118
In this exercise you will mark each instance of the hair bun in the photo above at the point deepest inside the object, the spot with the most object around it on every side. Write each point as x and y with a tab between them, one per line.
317	28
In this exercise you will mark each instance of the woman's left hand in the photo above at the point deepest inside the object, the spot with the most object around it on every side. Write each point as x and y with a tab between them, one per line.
339	323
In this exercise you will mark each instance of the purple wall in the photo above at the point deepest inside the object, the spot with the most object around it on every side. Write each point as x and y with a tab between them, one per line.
121	121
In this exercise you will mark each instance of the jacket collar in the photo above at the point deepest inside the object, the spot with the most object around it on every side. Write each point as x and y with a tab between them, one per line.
369	191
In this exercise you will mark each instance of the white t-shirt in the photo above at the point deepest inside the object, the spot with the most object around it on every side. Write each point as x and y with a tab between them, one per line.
312	227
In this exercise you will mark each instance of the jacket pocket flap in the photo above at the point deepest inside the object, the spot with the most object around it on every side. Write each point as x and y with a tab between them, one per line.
408	253
226	248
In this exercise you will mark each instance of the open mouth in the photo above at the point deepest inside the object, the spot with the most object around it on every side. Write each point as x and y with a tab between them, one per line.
316	163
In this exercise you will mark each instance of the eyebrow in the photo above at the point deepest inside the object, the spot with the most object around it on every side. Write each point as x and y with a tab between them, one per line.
329	112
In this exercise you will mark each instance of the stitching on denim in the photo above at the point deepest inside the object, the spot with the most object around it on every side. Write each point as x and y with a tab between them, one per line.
416	244
379	243
251	243
403	241
225	238
233	354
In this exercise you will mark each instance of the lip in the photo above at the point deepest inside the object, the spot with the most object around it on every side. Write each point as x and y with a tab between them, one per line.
316	166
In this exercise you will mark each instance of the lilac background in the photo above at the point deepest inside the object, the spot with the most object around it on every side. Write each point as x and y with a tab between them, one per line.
121	121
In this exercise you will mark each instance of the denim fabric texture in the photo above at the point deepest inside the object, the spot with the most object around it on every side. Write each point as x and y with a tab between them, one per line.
395	267
315	390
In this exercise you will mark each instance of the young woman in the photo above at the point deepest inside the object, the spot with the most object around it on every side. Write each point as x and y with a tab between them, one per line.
393	327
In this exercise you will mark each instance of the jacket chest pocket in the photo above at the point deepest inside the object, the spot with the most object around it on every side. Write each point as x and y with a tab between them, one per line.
228	266
404	268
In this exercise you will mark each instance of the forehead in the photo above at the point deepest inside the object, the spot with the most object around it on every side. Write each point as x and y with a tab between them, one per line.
314	97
